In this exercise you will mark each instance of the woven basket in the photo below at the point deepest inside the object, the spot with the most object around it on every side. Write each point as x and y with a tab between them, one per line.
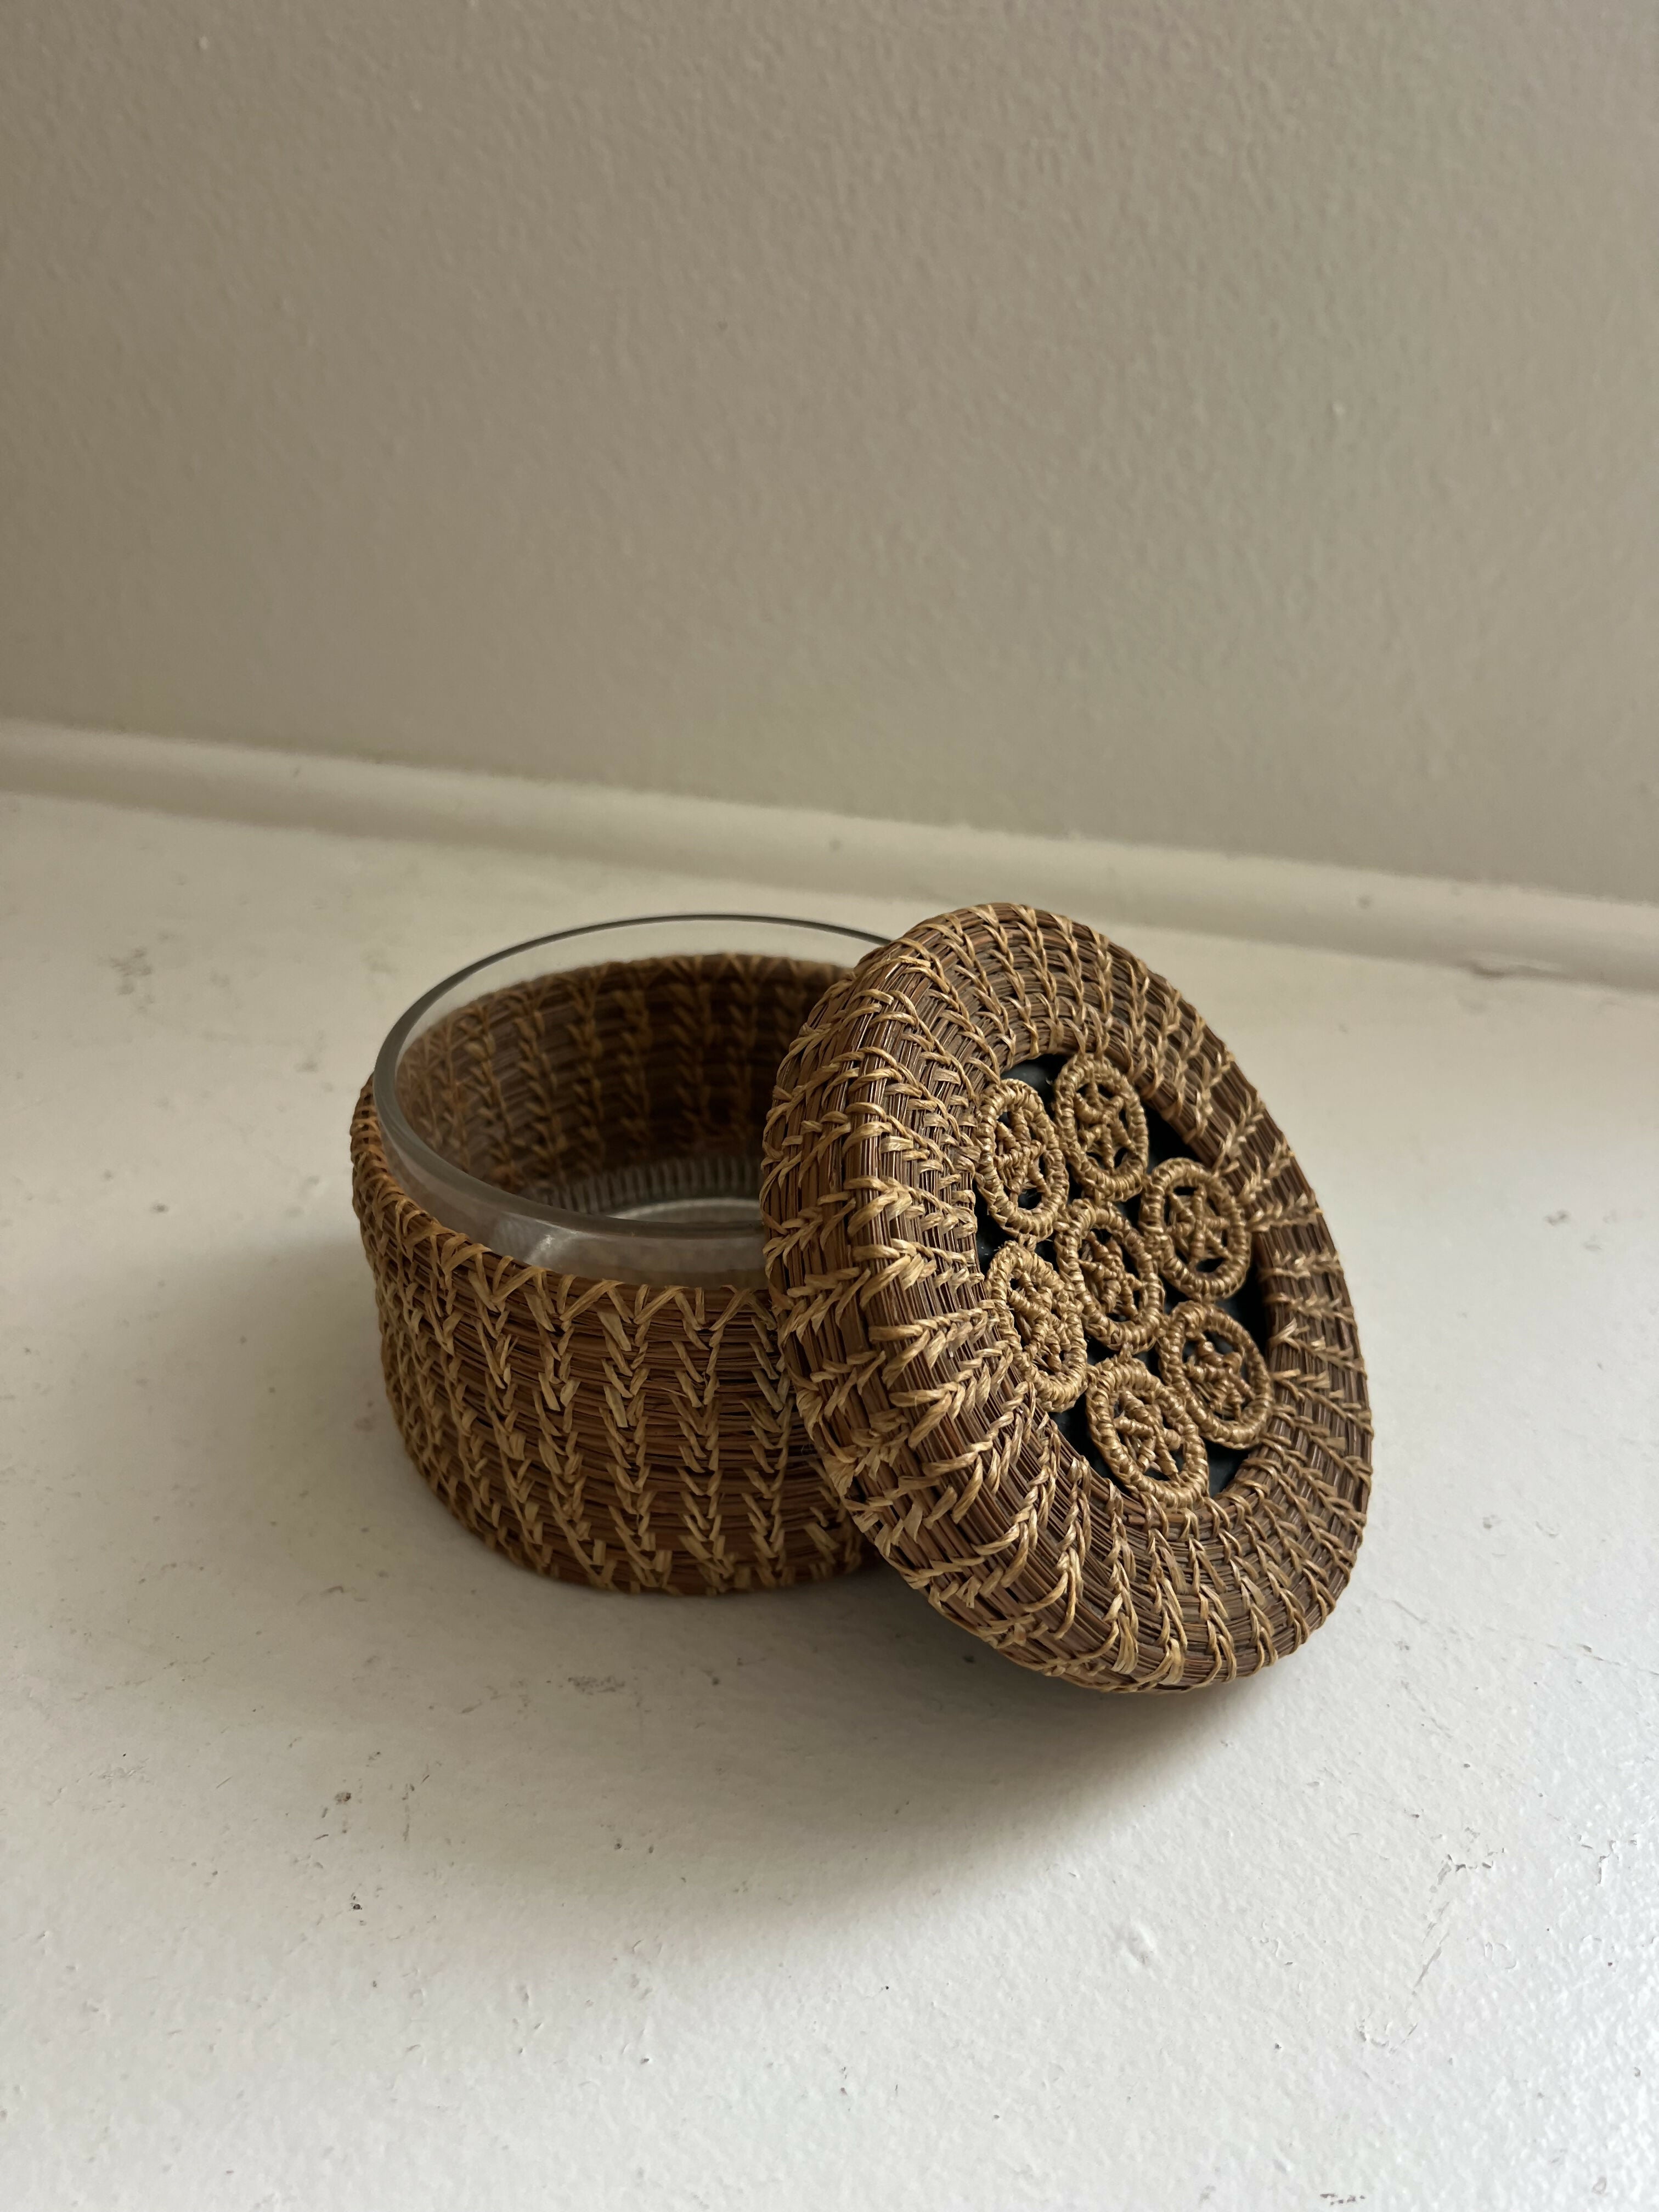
1043	1282
633	1437
978	1329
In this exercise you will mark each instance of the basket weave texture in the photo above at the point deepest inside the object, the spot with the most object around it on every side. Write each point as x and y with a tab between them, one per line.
935	1384
632	1436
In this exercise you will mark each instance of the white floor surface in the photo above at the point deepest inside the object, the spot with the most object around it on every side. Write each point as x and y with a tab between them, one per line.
349	1867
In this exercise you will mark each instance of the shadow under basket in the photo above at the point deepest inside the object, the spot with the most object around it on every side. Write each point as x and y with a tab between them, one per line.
633	1436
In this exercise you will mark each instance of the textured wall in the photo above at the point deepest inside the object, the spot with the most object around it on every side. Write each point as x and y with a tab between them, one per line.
1234	425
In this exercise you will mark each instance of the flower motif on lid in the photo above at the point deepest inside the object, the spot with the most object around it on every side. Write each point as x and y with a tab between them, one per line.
1102	1126
1215	1365
1146	1434
1037	1315
1020	1167
1118	1285
1196	1230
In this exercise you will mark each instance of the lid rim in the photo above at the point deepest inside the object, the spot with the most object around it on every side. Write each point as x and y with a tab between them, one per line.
889	1341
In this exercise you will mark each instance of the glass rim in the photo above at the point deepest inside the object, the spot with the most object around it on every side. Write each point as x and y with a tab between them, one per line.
437	1168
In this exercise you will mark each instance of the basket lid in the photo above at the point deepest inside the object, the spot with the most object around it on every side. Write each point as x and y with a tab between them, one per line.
1061	1311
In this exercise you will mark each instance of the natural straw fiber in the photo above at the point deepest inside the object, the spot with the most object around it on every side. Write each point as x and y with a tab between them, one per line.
1030	1347
633	1437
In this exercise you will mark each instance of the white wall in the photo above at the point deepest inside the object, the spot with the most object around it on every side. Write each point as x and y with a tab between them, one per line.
1232	425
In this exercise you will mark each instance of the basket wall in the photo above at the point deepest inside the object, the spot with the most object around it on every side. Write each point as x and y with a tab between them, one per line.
632	1436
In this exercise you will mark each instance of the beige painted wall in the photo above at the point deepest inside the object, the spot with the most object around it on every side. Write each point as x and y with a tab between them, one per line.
1233	424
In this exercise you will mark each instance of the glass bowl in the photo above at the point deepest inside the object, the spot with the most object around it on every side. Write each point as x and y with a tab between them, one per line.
592	1101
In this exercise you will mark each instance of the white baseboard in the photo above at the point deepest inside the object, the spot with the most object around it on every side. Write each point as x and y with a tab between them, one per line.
1491	929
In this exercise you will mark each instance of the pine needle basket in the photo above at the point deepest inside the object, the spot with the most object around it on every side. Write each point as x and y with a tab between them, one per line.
1058	1502
631	1435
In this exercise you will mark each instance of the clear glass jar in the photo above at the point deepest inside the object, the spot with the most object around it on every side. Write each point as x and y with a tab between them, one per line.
592	1101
